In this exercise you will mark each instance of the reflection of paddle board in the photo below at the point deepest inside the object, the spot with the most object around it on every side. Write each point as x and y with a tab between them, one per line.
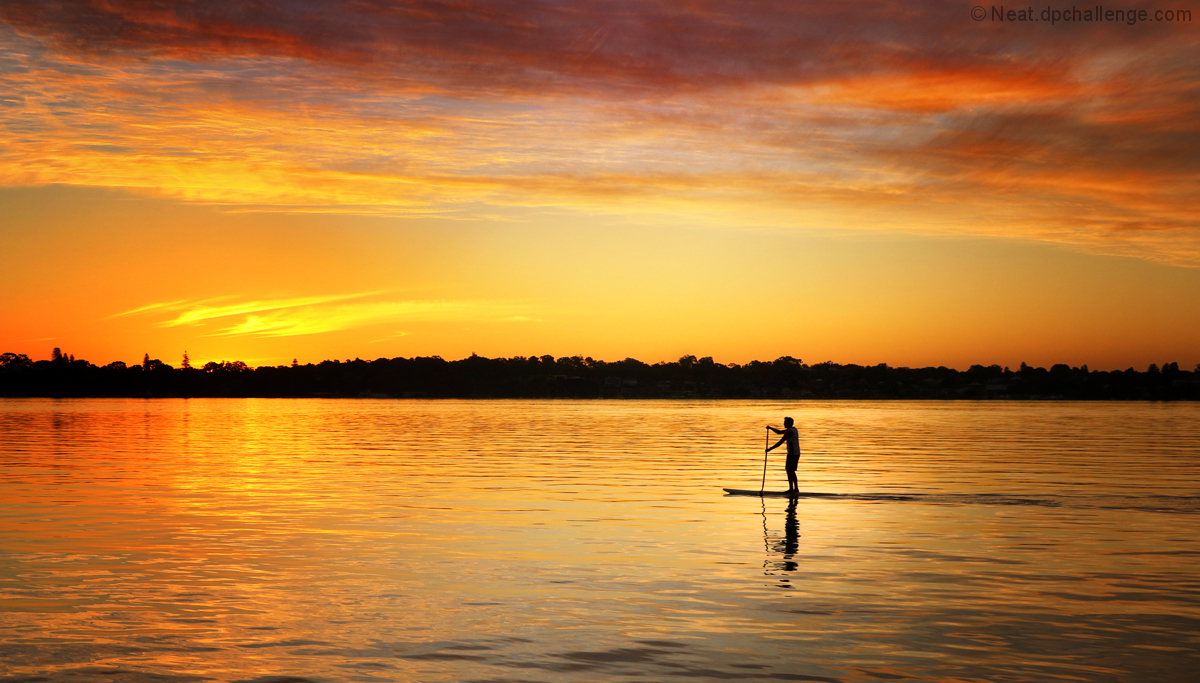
779	494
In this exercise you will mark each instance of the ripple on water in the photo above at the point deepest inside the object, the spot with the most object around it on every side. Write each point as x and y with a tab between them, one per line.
324	540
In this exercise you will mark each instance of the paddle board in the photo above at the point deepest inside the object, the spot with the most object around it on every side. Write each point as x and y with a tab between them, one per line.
778	494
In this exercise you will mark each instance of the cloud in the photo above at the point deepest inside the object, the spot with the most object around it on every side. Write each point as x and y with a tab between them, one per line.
878	115
166	305
389	337
503	45
317	319
317	314
485	48
197	313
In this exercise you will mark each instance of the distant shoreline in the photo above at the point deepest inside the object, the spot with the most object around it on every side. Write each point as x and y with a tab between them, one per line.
582	399
546	377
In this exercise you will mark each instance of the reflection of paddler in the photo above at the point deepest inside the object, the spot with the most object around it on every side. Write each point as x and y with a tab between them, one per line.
791	534
792	438
788	545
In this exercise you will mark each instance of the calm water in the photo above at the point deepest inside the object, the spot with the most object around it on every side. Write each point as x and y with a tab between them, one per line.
187	540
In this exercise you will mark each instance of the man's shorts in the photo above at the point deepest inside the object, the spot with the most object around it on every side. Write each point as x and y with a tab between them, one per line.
792	462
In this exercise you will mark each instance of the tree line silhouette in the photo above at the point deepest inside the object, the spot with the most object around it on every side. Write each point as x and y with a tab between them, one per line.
579	377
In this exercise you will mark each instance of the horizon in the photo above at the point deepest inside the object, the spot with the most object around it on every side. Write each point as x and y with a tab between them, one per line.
197	363
578	377
910	185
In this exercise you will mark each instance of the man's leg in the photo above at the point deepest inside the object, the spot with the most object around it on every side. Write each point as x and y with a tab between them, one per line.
793	483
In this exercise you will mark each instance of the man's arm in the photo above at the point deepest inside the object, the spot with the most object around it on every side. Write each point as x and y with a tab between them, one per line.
777	444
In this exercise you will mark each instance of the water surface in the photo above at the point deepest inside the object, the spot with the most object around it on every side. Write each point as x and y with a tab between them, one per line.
381	540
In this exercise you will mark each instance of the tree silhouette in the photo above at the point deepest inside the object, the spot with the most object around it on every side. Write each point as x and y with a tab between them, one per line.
577	376
15	361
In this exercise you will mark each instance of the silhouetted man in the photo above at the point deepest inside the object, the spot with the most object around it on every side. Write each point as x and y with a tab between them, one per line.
792	438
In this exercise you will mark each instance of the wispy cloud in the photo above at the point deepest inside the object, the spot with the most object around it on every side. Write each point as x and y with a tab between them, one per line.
199	313
317	314
317	319
390	337
163	306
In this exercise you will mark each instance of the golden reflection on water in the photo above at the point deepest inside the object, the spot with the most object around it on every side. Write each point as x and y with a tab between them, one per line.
590	541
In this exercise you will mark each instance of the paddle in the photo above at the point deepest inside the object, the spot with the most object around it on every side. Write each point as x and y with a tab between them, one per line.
763	487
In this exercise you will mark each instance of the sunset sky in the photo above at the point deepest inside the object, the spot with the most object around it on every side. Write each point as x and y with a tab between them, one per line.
855	182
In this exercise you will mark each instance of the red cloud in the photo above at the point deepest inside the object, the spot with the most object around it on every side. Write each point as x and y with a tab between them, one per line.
535	45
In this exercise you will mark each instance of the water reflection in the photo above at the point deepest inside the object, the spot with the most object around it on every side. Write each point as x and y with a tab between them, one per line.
784	546
343	540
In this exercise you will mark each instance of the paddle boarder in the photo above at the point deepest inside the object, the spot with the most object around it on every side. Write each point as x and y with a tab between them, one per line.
792	438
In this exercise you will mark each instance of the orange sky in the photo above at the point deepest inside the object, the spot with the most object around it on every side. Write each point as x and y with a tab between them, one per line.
869	183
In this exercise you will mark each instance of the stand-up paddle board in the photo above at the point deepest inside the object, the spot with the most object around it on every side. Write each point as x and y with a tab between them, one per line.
779	494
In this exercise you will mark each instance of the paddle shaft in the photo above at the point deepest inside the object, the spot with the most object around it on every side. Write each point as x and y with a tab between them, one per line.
766	450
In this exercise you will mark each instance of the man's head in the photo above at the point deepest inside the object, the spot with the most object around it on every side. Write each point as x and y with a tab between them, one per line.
788	422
